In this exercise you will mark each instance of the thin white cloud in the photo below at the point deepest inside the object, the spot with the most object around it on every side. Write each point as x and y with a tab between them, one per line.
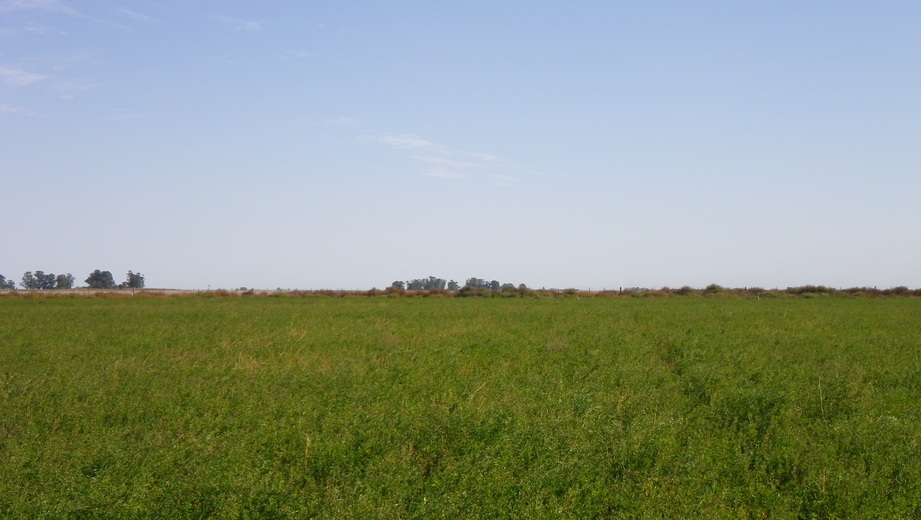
49	6
295	55
10	32
52	6
483	156
77	86
446	162
19	78
407	142
134	15
443	173
124	115
6	108
441	161
499	177
240	25
504	181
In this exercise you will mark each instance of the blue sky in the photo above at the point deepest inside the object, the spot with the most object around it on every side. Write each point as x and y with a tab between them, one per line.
348	144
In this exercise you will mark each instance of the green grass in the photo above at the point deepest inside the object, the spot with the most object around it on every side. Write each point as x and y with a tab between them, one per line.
376	407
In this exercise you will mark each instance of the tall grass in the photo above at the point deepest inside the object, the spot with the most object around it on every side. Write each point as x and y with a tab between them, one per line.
361	407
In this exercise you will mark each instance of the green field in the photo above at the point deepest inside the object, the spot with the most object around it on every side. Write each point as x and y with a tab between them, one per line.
377	407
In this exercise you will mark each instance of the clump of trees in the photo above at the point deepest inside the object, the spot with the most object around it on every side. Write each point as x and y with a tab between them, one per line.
493	288
104	280
472	285
425	284
133	281
100	280
6	284
41	281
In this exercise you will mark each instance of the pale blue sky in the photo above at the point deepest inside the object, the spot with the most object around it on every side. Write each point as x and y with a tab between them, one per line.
349	144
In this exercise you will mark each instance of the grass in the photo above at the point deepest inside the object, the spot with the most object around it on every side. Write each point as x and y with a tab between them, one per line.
378	407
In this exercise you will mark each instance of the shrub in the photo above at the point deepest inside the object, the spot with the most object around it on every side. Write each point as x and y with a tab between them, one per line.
686	291
713	289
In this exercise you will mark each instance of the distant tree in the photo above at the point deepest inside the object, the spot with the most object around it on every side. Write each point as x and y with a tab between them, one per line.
100	280
133	281
399	285
507	287
426	284
29	281
64	281
522	287
39	280
453	286
494	285
476	283
45	281
6	284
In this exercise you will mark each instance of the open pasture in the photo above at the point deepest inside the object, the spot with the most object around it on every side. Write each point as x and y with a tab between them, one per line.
376	407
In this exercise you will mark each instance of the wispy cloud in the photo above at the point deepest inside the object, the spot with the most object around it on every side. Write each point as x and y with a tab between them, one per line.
71	88
295	55
120	114
340	121
446	162
240	25
134	15
52	6
484	156
444	173
6	108
9	32
407	142
49	6
19	78
501	179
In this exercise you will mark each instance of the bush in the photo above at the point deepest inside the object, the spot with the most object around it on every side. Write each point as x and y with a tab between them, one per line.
713	289
686	291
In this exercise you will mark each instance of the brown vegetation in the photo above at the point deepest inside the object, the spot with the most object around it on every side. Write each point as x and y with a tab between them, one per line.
711	291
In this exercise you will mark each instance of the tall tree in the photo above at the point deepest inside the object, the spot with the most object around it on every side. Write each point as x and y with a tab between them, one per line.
29	281
6	284
426	284
64	281
477	283
134	281
45	281
100	280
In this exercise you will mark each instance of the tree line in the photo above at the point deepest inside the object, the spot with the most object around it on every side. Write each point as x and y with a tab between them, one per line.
39	280
433	283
